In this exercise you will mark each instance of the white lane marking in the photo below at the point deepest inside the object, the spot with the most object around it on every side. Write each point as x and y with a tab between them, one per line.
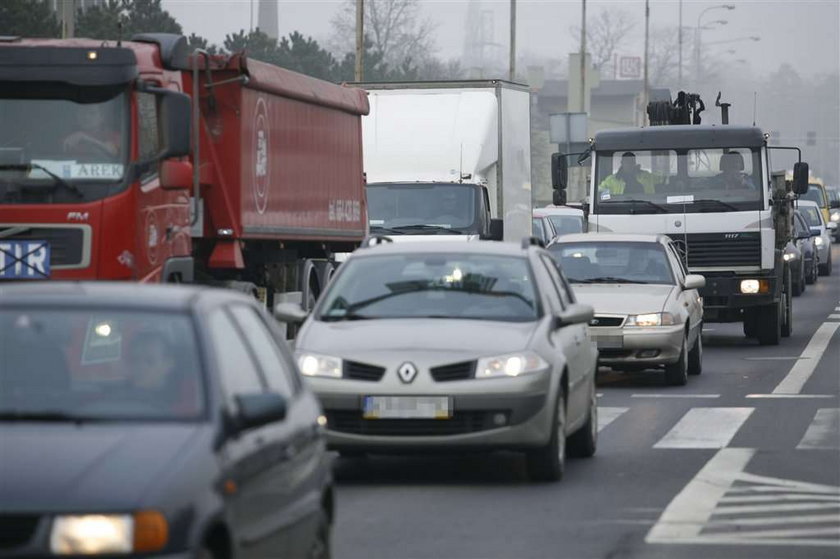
834	316
758	489
795	358
793	396
803	369
824	430
749	509
655	395
801	519
690	510
599	394
608	415
705	428
740	498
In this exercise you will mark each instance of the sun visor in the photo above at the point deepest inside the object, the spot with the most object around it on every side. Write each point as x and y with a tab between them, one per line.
96	66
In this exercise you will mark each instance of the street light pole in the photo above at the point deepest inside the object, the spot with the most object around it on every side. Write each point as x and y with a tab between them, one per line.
360	40
647	82
583	58
697	38
512	75
680	35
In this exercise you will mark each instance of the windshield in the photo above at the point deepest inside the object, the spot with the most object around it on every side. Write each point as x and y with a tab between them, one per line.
100	365
566	224
812	215
419	209
48	141
671	181
613	262
461	286
814	194
537	226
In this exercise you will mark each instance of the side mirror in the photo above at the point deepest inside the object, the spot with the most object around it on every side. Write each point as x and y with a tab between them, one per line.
800	178
558	198
815	232
290	313
831	226
176	175
574	314
559	171
694	281
258	409
175	120
497	230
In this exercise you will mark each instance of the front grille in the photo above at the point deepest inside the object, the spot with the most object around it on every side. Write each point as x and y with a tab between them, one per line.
602	321
362	371
16	530
455	371
66	243
708	250
460	422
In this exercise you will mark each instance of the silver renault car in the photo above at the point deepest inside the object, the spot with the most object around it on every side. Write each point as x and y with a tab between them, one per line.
437	346
648	312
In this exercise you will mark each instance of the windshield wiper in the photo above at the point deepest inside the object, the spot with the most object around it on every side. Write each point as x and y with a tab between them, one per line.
719	203
378	228
351	309
422	227
608	279
647	203
57	180
43	416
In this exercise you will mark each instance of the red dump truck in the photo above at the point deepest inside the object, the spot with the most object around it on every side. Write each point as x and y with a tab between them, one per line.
141	161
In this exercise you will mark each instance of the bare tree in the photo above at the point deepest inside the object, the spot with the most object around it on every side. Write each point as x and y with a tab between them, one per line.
605	33
394	27
663	60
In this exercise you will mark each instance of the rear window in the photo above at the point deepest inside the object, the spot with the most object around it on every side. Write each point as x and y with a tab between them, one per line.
613	262
814	194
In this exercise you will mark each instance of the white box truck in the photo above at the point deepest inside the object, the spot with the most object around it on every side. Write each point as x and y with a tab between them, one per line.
448	159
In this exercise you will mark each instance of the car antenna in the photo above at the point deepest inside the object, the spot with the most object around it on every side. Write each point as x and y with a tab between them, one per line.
119	33
755	102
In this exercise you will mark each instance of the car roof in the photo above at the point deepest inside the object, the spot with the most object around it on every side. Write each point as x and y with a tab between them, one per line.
808	203
613	237
118	294
558	210
443	247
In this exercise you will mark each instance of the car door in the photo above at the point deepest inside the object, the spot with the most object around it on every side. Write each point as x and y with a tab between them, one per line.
688	301
572	340
243	454
294	485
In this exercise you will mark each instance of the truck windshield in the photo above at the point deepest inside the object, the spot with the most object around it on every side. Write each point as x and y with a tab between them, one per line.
423	209
47	143
693	180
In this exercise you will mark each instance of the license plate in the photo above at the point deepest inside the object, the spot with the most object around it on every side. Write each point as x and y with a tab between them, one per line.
24	259
407	407
610	342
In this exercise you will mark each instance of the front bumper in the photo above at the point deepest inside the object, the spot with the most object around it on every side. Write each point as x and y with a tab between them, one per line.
724	302
660	345
486	414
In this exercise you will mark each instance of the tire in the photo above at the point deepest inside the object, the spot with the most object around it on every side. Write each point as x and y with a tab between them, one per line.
549	462
584	441
320	548
787	316
695	356
825	269
750	324
769	329
798	287
676	374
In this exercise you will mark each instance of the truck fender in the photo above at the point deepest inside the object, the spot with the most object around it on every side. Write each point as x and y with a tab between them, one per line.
178	269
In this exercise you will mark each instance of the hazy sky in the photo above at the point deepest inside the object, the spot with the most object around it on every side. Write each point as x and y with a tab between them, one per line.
803	33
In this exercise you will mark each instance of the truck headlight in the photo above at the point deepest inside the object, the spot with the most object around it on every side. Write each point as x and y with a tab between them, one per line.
650	319
818	241
112	534
313	365
512	365
752	286
788	256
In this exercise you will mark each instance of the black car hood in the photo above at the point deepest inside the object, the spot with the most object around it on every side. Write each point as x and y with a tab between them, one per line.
89	467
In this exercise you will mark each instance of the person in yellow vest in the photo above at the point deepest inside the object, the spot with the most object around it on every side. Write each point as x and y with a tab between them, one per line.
629	179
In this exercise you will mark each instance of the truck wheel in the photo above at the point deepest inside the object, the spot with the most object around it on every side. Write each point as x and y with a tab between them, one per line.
770	324
676	374
695	356
825	269
787	313
310	285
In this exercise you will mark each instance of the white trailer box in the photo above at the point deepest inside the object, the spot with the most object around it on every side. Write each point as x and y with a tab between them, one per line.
430	138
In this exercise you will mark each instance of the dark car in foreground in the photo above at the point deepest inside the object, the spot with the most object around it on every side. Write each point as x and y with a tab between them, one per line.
154	421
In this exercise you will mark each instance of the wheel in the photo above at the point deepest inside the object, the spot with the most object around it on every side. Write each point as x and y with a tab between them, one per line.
695	356
549	462
676	374
825	269
769	329
798	286
583	443
787	311
320	548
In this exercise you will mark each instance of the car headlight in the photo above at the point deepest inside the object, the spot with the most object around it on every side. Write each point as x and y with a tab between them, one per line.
650	319
313	365
788	256
98	534
818	241
835	216
512	365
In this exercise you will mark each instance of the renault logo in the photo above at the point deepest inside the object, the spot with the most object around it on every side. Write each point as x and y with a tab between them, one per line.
407	372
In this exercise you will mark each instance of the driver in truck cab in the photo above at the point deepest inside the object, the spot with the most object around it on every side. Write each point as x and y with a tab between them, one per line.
629	179
731	175
94	136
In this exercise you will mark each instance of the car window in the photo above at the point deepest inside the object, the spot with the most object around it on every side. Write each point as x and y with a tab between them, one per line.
676	262
814	194
275	371
566	224
812	215
567	288
613	262
556	281
237	369
800	224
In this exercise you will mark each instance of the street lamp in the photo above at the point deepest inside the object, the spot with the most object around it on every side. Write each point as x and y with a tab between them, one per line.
697	37
680	32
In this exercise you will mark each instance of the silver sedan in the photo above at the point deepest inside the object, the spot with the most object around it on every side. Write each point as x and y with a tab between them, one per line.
648	312
452	347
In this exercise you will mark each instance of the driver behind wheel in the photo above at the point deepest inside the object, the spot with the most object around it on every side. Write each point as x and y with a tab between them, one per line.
154	374
94	136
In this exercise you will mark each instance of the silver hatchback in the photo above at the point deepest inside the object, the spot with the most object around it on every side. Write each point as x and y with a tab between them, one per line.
452	347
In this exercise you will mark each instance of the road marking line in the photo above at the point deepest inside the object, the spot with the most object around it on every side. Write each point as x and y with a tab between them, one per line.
608	415
778	534
691	509
749	509
705	428
800	519
773	358
785	396
787	496
834	316
654	395
737	540
803	369
824	430
748	489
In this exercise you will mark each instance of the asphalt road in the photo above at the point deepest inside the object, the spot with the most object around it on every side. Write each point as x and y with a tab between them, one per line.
744	461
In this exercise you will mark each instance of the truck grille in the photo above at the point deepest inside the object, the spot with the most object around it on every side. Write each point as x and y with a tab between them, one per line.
362	371
67	244
715	250
455	371
16	530
346	421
